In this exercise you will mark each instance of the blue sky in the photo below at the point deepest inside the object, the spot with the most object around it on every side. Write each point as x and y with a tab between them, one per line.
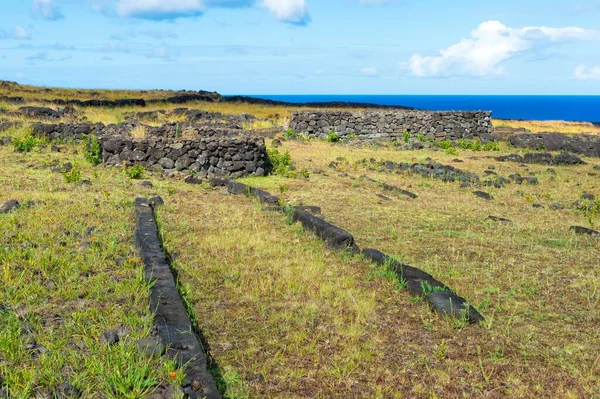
305	46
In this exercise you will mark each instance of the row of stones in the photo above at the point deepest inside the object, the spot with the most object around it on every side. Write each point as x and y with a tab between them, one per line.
442	299
393	124
235	157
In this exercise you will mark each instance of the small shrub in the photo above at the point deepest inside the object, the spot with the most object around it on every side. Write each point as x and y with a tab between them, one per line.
73	175
445	144
177	131
93	151
332	137
290	133
451	151
421	137
491	146
351	136
25	143
280	163
135	172
406	136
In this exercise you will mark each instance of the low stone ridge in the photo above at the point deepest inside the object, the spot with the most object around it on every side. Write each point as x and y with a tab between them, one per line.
392	125
441	298
40	112
429	168
585	231
332	235
9	206
584	144
483	195
235	156
390	188
418	282
321	104
171	319
544	158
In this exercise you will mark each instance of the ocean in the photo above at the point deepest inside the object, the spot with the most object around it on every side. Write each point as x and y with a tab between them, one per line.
568	108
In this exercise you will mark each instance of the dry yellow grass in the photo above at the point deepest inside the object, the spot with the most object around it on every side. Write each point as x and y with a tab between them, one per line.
550	126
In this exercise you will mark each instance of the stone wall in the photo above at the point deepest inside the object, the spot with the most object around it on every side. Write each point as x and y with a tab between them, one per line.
392	125
171	147
212	155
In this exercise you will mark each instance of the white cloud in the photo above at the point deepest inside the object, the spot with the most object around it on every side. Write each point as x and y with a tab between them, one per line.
160	9
370	71
47	10
290	11
20	33
491	44
584	73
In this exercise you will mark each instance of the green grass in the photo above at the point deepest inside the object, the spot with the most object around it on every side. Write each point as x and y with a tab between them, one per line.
69	271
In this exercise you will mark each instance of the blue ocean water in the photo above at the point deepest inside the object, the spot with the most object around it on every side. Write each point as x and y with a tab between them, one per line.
569	108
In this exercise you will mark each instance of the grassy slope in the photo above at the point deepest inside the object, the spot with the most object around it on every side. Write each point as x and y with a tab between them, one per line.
284	316
70	272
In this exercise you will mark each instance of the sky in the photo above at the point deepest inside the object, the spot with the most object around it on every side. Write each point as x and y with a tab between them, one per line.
305	46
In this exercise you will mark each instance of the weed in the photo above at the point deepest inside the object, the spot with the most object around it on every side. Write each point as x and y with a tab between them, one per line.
445	144
351	136
491	146
441	350
333	137
290	133
92	151
26	142
451	151
135	172
73	175
427	288
177	131
280	163
406	136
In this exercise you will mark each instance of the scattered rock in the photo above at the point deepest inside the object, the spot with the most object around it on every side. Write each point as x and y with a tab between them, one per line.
109	337
218	182
588	196
191	179
150	347
156	201
499	219
66	391
584	230
146	184
260	172
564	158
383	197
447	303
9	206
557	207
531	180
537	205
551	171
483	195
597	167
491	167
54	148
86	182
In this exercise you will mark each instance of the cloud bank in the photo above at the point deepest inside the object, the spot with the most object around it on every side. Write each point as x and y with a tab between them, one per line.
47	9
582	72
489	46
289	11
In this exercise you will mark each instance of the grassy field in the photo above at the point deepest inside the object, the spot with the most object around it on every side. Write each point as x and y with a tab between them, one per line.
550	126
70	273
284	316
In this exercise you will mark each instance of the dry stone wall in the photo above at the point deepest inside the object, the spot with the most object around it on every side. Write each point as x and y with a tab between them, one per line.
235	156
181	147
392	125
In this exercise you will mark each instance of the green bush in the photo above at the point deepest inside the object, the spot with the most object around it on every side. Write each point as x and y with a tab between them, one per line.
451	151
93	151
406	136
135	172
279	163
445	144
25	143
491	146
73	175
290	134
332	137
